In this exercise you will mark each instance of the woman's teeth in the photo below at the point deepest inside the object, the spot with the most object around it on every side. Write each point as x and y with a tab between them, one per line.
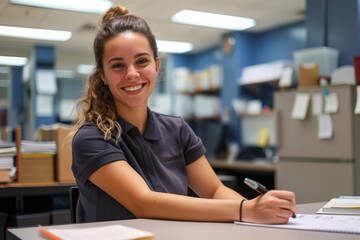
133	88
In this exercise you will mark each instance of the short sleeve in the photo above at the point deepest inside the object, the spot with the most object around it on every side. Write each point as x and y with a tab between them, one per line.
192	145
91	152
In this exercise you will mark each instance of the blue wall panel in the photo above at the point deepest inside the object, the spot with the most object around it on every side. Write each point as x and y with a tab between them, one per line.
343	29
315	23
44	58
205	59
233	63
180	60
278	44
17	98
334	24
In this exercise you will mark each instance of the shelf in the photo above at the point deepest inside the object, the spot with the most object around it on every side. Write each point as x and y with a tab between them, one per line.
259	83
193	118
210	90
263	114
261	166
37	184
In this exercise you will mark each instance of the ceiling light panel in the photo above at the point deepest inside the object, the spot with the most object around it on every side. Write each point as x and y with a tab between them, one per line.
89	6
13	61
34	33
213	20
173	46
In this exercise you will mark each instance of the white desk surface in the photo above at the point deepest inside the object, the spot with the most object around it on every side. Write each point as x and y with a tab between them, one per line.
173	230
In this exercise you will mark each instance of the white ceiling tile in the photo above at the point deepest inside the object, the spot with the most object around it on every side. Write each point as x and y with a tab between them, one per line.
15	15
268	13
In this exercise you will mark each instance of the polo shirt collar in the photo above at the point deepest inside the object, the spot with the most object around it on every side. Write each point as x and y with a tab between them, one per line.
151	132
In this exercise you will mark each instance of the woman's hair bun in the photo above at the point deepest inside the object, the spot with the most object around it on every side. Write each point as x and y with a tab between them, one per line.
113	12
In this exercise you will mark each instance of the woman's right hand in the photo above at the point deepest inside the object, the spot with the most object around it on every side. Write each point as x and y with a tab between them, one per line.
274	207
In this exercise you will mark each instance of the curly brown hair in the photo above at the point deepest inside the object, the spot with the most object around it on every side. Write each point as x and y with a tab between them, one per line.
97	105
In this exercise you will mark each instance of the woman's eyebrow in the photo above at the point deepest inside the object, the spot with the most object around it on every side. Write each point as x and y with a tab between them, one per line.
115	59
141	54
136	56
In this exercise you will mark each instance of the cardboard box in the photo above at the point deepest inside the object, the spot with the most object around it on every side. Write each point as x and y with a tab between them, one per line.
37	167
308	75
63	157
63	160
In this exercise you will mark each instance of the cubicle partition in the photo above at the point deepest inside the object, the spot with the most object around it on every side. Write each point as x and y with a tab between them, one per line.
318	159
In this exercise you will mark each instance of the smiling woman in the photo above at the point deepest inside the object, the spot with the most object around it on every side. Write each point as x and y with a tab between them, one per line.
129	70
131	162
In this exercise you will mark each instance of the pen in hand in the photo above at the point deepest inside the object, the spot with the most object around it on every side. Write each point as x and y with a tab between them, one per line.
259	188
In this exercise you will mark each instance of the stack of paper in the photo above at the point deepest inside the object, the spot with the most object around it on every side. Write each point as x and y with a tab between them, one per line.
38	147
7	153
341	206
7	149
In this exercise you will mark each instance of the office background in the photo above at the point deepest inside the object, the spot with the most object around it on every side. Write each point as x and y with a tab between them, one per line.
327	23
330	23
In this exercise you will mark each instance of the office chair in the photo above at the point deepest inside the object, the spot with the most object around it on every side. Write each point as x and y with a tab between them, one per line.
73	195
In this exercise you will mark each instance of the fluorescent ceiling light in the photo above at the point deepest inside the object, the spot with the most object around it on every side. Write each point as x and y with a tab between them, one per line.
213	20
90	6
174	47
13	61
85	69
34	33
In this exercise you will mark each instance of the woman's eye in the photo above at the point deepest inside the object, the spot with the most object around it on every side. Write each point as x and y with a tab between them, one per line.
118	65
142	61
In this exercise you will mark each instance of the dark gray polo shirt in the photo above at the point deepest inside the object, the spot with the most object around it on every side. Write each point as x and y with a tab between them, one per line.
159	156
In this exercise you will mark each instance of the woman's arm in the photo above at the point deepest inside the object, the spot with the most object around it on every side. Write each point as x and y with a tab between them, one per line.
272	207
204	182
124	184
120	181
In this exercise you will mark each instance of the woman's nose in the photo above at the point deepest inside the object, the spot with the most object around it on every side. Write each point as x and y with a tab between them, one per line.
132	72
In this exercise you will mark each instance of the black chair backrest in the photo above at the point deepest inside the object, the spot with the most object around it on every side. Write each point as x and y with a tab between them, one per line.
73	195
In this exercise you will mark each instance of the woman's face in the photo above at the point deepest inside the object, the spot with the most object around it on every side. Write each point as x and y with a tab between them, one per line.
130	70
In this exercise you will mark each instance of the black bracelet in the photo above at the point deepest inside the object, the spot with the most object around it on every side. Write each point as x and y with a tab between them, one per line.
241	204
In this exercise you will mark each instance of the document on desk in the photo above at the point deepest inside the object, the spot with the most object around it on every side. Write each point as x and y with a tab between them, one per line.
341	206
321	223
112	232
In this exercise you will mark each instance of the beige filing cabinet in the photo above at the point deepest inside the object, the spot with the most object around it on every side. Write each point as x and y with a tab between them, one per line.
318	169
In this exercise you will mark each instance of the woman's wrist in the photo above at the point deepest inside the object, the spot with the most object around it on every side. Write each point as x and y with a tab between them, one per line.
241	210
247	211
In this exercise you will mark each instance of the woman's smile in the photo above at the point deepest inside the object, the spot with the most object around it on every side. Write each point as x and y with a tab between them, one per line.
133	89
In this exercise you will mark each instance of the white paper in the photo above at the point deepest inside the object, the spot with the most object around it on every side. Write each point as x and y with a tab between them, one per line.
44	105
357	107
317	104
331	103
45	81
286	77
325	126
112	232
300	106
327	223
